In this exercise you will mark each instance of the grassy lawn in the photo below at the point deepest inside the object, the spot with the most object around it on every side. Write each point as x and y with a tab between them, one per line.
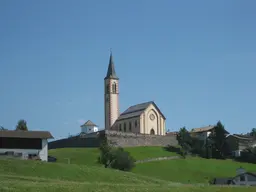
88	156
191	170
26	176
56	186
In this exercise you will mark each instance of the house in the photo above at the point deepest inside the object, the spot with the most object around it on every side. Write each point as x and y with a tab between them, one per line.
203	133
25	144
242	178
89	127
237	143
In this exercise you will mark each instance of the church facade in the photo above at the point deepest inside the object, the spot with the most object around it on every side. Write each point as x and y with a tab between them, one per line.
143	118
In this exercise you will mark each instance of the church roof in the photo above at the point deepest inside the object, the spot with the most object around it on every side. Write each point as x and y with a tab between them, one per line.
111	74
88	123
137	110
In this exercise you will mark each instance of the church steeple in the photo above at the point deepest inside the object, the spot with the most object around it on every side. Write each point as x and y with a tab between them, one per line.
111	74
111	95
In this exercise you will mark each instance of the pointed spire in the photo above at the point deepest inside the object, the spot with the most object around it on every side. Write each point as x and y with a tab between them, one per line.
111	74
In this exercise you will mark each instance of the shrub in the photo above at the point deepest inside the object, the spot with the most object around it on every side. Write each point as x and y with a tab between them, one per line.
122	160
115	158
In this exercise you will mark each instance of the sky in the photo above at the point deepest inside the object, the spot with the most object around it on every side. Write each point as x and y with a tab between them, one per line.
195	59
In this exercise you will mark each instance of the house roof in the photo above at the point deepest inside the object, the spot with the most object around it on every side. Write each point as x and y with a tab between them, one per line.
249	173
221	181
137	110
88	123
202	129
26	134
243	137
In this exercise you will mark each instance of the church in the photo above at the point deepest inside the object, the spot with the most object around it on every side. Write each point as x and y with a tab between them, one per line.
143	118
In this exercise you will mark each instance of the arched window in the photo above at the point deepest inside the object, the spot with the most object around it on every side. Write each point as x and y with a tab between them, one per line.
114	87
135	123
124	127
152	132
130	126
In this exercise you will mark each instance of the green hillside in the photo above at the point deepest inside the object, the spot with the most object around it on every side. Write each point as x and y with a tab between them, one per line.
191	170
25	176
88	156
183	175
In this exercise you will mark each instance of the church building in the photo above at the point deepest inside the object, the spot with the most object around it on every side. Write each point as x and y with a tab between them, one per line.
143	118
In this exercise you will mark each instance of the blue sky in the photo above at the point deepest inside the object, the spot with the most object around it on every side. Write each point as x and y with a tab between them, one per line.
198	57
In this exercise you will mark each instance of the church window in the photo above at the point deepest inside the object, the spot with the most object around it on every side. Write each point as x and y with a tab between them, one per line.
124	127
120	127
114	88
107	88
130	126
135	123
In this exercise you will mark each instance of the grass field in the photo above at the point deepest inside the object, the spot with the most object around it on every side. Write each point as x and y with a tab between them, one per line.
26	176
191	170
88	156
183	175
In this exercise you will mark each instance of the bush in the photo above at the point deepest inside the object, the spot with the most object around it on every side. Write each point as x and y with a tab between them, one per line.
247	157
122	160
115	158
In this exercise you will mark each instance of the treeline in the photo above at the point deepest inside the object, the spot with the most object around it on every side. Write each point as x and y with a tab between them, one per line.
21	125
215	145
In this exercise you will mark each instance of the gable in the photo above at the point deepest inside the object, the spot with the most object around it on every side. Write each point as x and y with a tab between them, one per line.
137	110
251	176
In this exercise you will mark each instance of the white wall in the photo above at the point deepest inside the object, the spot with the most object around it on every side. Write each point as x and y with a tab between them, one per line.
89	129
43	153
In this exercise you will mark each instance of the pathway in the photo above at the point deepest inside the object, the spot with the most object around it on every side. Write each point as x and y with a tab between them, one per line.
157	159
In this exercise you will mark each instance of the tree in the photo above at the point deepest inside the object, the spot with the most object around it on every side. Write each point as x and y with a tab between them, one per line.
185	141
2	128
115	158
122	160
22	125
218	139
253	132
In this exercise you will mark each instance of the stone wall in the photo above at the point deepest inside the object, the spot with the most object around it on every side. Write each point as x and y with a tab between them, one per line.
132	139
117	138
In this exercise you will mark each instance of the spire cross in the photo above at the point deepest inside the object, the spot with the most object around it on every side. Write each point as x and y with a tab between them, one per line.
110	50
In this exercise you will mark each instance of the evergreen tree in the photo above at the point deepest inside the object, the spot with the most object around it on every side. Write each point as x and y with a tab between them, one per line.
22	125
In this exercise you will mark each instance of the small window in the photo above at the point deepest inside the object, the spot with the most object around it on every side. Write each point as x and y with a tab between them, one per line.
242	178
120	127
124	127
107	89
130	126
135	123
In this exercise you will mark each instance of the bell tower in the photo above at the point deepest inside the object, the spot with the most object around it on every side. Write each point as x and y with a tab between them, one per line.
111	95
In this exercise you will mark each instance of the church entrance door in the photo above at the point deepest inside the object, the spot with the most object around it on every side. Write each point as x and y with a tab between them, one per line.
152	132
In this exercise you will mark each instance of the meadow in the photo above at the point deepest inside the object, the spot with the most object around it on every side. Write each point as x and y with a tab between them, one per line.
84	174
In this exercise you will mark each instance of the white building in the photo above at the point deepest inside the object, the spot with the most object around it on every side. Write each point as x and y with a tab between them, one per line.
24	144
89	127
